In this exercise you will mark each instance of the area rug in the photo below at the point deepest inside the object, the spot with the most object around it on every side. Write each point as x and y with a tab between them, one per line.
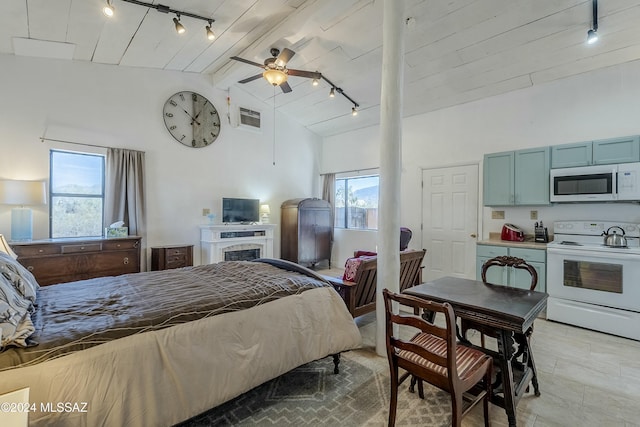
312	395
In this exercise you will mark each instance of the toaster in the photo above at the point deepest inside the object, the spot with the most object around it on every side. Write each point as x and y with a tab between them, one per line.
512	233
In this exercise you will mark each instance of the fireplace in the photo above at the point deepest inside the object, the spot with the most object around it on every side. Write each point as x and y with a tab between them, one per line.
236	242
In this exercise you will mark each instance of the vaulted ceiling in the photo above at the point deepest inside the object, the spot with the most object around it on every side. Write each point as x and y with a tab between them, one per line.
456	51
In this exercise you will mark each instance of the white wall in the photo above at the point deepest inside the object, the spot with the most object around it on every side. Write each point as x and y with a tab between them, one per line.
122	107
596	105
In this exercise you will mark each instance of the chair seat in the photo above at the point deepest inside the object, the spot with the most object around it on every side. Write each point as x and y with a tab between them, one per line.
467	359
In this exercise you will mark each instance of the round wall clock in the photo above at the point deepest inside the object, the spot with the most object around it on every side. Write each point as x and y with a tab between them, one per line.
191	119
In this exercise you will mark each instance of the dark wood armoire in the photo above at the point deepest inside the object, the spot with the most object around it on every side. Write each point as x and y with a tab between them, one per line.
306	231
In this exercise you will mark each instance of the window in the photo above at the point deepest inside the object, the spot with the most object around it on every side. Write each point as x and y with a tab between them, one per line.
76	194
357	202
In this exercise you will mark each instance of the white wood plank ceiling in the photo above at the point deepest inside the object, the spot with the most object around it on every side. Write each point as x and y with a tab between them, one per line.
456	50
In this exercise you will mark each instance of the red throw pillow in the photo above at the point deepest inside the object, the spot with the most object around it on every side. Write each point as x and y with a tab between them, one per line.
350	268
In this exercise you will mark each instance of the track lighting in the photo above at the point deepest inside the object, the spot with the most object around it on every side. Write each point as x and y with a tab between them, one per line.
108	9
179	27
354	111
210	34
315	82
592	34
332	92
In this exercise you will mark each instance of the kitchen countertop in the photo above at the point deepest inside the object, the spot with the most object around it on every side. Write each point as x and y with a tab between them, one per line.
529	243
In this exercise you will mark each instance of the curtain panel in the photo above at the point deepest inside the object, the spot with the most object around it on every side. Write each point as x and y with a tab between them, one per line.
329	194
125	198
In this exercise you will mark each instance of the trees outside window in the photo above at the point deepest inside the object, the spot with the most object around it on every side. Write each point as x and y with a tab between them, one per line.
356	202
76	194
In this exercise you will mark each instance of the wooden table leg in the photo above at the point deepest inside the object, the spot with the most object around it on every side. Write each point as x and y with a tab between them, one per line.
506	370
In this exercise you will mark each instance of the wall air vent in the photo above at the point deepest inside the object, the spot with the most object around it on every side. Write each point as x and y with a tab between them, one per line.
250	119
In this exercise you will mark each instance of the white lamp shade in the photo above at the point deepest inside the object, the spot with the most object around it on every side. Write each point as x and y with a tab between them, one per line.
4	247
22	193
264	209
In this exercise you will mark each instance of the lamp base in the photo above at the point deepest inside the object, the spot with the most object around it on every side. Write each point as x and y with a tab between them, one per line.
21	224
264	219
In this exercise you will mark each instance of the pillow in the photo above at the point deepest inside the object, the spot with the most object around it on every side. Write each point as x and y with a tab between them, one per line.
19	277
351	267
15	318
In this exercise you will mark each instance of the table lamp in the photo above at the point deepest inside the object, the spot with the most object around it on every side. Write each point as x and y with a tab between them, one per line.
264	213
22	193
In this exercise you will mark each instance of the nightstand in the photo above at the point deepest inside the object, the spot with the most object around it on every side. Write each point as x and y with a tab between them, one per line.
175	256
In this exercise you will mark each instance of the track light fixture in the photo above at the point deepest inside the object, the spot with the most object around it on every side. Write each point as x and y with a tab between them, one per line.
332	92
109	11
592	34
179	27
210	34
354	111
315	82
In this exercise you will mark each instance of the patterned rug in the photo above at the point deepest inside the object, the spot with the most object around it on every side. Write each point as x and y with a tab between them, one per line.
312	395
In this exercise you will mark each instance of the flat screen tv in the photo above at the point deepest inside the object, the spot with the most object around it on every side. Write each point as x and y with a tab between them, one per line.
240	210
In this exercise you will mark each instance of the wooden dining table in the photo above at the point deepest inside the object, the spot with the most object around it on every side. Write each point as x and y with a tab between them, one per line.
510	312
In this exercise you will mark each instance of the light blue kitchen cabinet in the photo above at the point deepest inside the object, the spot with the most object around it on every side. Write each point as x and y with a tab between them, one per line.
499	181
517	177
513	276
532	176
572	155
616	150
601	152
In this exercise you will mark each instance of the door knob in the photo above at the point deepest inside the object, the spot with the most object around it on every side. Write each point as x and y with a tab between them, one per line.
474	235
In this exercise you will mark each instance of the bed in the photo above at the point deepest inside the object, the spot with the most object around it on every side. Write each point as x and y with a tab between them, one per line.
157	348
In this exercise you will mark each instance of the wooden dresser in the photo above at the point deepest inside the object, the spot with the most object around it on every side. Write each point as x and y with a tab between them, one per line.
166	257
65	260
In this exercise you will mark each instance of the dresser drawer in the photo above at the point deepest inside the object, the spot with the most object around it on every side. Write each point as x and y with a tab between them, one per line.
35	250
117	244
88	247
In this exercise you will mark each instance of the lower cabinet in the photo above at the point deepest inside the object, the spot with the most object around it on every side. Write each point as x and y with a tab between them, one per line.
168	257
513	276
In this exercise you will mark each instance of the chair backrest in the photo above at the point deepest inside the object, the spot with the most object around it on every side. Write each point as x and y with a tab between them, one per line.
396	344
405	237
510	261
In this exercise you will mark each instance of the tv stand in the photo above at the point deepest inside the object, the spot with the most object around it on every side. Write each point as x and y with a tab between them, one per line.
226	242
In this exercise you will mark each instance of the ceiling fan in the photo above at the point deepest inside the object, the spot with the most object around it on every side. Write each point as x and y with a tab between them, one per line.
276	71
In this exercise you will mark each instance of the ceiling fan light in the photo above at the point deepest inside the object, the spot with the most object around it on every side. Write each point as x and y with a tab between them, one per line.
108	10
592	36
274	76
179	27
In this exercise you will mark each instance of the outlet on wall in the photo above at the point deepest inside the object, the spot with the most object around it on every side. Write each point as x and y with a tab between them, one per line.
497	214
206	211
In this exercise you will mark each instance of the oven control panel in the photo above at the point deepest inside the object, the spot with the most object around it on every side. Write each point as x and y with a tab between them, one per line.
594	228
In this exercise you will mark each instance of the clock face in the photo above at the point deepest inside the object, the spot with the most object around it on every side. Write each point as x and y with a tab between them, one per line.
191	119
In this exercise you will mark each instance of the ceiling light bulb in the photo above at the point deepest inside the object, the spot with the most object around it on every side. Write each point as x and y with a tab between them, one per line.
592	36
332	93
315	82
179	27
108	9
210	34
354	111
274	76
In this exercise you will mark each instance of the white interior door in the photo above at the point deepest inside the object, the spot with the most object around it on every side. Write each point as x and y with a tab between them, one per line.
450	221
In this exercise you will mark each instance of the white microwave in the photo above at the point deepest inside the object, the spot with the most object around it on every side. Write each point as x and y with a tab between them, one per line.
601	183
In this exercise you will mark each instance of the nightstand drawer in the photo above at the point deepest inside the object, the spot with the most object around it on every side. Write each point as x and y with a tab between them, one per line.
167	257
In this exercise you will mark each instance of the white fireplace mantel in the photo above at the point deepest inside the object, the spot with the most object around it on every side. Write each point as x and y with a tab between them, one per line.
216	240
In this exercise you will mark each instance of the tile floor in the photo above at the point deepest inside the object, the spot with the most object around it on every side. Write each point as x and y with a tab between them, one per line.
586	378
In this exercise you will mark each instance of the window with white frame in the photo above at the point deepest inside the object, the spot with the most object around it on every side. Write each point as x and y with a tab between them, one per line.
76	194
356	202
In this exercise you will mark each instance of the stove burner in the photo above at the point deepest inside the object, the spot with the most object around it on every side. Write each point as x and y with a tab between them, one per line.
569	243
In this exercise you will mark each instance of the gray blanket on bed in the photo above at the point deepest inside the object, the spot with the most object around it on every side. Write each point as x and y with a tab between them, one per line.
78	315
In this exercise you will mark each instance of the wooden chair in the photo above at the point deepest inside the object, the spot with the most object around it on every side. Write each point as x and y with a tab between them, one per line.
501	261
433	355
360	294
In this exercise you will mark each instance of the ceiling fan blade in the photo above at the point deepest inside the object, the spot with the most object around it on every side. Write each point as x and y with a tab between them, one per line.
302	73
284	57
246	61
250	79
285	87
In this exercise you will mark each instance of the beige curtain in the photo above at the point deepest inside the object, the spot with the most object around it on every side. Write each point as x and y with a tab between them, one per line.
329	194
125	193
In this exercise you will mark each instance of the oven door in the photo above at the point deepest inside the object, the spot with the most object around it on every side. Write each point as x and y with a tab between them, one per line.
602	278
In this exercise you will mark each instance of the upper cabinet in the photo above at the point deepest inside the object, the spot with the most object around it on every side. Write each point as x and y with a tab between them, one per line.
602	152
517	177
